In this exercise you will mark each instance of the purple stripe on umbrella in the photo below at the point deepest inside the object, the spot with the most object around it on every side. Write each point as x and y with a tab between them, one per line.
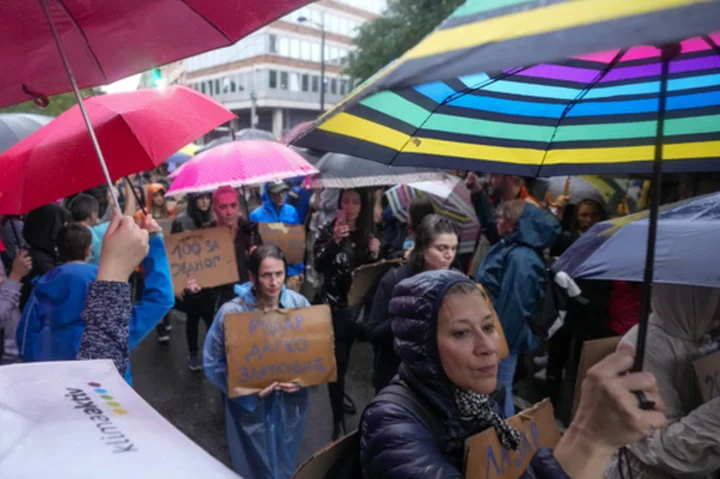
678	66
559	72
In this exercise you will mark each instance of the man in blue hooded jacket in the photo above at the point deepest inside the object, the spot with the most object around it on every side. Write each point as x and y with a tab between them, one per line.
275	209
514	276
51	326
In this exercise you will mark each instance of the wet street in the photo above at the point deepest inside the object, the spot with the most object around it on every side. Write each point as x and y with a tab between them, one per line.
194	406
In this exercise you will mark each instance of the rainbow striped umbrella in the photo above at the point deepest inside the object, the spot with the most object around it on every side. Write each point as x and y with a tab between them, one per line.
588	114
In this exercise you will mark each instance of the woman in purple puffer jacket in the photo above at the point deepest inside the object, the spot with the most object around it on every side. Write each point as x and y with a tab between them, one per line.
447	343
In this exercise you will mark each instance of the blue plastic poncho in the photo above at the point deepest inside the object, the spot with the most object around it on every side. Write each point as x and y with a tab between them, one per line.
264	435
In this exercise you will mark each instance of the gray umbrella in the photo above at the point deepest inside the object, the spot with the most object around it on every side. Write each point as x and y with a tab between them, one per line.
244	134
16	126
345	171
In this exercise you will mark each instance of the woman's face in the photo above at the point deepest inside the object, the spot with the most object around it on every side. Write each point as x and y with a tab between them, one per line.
270	279
158	198
504	227
587	216
351	204
468	342
441	252
202	203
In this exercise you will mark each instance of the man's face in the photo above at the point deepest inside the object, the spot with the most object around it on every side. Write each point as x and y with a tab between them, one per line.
278	199
227	208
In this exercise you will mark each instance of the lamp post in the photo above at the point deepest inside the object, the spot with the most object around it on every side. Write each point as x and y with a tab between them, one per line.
321	26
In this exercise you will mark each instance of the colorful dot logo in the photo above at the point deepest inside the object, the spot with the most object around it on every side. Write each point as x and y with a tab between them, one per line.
109	400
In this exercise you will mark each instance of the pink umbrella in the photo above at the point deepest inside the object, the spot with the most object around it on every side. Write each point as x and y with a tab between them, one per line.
238	164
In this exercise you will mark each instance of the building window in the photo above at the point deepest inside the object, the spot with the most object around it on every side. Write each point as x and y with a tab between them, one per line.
343	87
306	82
273	79
217	86
210	88
202	87
284	46
283	80
272	43
315	84
305	50
315	52
333	86
295	48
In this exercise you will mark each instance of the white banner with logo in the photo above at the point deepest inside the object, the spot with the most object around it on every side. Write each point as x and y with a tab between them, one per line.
80	419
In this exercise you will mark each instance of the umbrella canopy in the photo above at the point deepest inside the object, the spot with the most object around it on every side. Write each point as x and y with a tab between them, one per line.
449	197
138	131
16	126
190	149
345	171
107	40
591	113
238	164
615	249
295	131
176	160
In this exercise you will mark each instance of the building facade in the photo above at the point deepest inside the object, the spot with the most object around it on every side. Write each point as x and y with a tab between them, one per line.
276	71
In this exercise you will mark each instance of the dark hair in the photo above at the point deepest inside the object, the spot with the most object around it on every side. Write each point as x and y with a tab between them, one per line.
365	218
83	206
602	214
425	234
73	242
419	209
262	252
100	194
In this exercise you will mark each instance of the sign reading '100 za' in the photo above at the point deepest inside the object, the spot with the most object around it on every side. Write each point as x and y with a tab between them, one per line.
207	256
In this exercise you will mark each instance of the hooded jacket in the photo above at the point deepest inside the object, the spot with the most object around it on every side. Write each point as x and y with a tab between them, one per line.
514	275
690	446
157	213
192	219
394	443
52	325
40	231
264	435
268	213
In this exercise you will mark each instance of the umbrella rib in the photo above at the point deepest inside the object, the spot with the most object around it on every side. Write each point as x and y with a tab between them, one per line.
207	21
575	101
87	42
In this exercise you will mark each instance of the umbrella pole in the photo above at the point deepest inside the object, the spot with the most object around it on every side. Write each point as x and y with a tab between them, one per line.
45	6
668	53
137	198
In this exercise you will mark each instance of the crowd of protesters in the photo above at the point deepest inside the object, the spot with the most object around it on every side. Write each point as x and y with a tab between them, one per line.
66	293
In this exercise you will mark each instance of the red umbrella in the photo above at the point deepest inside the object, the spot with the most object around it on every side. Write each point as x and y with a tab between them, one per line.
137	131
107	40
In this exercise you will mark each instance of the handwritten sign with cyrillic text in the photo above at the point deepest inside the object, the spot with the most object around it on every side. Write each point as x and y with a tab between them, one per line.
289	238
287	345
207	256
707	369
487	459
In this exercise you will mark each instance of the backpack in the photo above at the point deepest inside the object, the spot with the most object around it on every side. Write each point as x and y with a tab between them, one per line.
341	459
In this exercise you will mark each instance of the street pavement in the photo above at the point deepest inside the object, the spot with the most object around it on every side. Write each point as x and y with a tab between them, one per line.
194	406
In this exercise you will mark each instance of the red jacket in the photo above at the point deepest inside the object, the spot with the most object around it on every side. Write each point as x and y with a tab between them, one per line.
624	306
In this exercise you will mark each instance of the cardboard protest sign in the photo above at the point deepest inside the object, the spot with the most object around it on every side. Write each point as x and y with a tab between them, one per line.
707	369
592	353
485	458
80	419
207	255
503	350
365	277
287	345
324	461
289	238
166	225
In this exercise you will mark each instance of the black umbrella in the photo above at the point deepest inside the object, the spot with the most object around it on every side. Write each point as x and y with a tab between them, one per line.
345	171
16	126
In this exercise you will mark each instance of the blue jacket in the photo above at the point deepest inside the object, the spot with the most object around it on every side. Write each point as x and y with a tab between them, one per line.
514	275
394	443
264	435
268	213
51	326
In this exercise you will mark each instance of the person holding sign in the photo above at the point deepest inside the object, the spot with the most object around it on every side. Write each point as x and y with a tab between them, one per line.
436	242
680	324
264	430
343	245
448	345
276	210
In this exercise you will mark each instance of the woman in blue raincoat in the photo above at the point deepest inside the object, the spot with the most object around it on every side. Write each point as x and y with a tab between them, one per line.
264	430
